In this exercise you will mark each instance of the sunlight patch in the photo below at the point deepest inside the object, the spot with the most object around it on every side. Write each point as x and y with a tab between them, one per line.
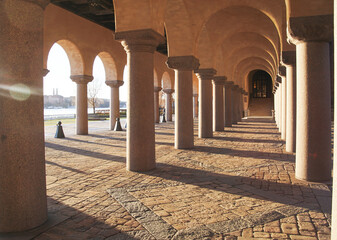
20	92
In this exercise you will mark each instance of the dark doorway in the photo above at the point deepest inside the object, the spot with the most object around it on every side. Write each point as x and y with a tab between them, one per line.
261	85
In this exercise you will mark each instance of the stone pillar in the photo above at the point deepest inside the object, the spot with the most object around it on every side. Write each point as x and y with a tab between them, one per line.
235	104
195	105
289	60
279	80
114	101
23	198
218	103
313	147
334	191
228	103
183	67
205	102
168	104
282	74
156	104
276	103
140	147
81	102
241	103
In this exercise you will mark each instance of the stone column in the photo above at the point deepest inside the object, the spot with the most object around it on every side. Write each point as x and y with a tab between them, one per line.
289	60
168	104
195	105
282	74
23	198
140	147
156	104
183	67
228	103
235	104
334	191
279	80
241	103
218	103
114	101
81	102
205	102
313	147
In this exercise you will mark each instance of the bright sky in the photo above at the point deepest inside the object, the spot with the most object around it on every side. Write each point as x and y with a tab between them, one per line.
59	76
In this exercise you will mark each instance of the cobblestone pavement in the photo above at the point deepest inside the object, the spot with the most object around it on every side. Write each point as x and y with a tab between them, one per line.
238	185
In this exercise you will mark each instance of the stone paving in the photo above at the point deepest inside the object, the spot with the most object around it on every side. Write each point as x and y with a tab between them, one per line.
238	185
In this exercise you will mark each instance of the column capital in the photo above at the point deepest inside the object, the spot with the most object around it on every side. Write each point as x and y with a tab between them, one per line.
235	87
229	84
219	80
168	91
282	71
278	79
183	63
81	79
157	89
42	3
205	73
144	40
288	58
114	83
45	71
310	29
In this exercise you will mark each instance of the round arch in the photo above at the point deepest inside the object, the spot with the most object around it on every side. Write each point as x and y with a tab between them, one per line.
109	66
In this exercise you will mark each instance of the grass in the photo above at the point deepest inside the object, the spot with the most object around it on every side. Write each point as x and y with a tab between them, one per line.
55	121
64	121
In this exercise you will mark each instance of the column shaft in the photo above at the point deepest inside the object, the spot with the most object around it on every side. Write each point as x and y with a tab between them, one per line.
23	198
291	109
313	151
140	147
195	105
114	106
218	107
156	105
228	105
168	107
284	108
184	129
184	137
81	109
205	109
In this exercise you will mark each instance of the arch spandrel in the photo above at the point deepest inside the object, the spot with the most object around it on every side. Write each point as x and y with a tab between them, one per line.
179	30
205	51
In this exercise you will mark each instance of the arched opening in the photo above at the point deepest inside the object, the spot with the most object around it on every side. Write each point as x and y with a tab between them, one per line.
261	85
98	92
59	92
261	98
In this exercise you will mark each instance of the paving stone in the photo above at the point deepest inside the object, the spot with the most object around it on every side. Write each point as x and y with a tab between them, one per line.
238	185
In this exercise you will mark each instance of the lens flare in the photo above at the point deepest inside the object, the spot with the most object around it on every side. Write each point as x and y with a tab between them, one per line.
20	92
